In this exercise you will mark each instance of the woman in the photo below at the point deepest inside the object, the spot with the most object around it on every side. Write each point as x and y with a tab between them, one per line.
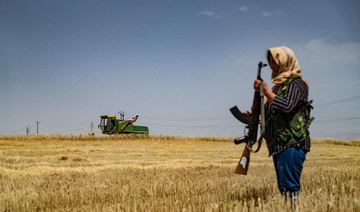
288	96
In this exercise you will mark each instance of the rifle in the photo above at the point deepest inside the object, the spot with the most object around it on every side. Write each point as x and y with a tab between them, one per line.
252	123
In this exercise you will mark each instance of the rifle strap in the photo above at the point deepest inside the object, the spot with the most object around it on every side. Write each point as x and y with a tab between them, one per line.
262	110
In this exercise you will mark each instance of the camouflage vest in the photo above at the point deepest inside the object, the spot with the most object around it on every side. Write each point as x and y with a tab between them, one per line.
290	128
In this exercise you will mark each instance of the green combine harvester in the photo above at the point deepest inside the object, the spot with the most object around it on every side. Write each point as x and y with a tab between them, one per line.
110	125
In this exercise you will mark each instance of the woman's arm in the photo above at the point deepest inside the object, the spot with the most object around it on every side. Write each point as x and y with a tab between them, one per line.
293	95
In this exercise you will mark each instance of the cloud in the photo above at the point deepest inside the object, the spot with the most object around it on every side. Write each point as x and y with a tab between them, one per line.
279	12
328	65
319	52
206	13
268	14
242	8
209	13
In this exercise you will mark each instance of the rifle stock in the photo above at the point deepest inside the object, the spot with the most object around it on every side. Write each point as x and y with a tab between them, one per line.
243	164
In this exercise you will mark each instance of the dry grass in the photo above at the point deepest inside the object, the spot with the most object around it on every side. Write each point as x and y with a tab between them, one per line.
61	137
165	173
337	142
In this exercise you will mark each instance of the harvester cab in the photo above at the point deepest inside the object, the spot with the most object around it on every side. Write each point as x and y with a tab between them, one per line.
110	125
107	123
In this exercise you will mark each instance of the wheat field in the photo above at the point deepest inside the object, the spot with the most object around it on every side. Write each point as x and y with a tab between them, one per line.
166	173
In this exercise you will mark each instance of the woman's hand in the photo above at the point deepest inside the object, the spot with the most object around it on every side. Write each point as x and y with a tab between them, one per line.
257	85
267	92
247	113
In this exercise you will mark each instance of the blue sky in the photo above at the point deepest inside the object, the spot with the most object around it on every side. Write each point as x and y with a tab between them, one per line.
179	64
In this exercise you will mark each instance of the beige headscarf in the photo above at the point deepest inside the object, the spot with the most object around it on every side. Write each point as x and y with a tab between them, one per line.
285	58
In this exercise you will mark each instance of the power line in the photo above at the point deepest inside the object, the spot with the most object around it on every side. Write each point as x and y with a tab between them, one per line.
73	130
340	119
65	125
12	131
190	126
81	126
340	123
332	102
344	100
187	119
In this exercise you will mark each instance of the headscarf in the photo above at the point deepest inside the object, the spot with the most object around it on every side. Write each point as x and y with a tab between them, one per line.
285	58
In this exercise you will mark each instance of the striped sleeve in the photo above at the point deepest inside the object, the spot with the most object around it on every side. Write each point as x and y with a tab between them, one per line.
295	93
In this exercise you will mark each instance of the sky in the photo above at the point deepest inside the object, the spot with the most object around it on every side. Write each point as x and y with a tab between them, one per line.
180	65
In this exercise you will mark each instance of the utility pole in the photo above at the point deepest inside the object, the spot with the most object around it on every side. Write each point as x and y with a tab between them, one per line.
27	131
92	127
37	127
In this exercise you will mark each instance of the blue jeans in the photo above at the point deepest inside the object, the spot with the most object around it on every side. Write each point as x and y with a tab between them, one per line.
288	167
